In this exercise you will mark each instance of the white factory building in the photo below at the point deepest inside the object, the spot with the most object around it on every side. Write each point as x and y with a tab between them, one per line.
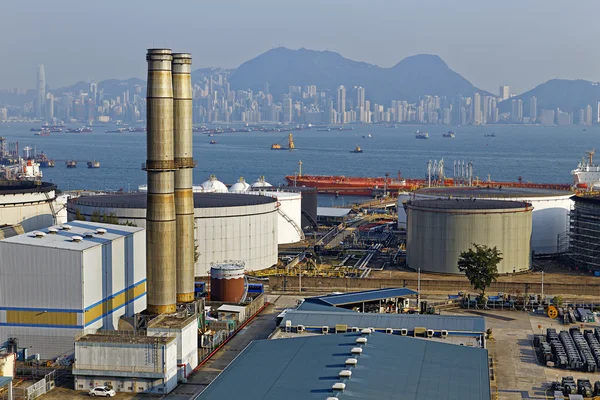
242	227
126	362
550	208
59	281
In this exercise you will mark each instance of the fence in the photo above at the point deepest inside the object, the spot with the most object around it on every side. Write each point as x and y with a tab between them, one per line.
34	391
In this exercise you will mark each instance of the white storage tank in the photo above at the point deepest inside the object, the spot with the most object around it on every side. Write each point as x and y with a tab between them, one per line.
261	183
27	203
213	185
403	197
289	220
240	186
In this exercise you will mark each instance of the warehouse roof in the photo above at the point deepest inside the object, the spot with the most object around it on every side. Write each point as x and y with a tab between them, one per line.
201	200
124	339
319	306
467	204
390	367
172	321
63	238
451	323
496	192
359	297
333	212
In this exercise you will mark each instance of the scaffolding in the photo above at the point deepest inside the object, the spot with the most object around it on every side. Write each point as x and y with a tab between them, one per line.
584	233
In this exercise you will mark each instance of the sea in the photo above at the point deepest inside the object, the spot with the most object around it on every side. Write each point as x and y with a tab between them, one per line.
535	153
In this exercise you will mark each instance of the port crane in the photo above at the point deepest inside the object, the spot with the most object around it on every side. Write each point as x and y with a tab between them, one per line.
291	146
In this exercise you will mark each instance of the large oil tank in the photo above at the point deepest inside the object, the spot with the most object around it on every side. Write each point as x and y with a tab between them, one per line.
439	230
227	282
308	203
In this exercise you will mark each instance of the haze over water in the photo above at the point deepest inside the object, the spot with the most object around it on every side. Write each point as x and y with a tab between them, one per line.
538	154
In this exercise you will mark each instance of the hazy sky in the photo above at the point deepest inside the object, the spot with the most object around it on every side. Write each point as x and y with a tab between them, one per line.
517	42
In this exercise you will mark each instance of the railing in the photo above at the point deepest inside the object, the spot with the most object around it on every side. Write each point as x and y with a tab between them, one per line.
118	368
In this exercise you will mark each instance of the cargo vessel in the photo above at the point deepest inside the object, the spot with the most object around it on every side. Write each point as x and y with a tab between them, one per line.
356	150
93	164
587	174
450	134
421	135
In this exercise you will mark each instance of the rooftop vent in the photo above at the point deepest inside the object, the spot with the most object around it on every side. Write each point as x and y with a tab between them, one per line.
52	231
351	361
339	386
366	331
345	373
332	398
361	340
356	350
76	239
101	231
89	234
38	234
66	227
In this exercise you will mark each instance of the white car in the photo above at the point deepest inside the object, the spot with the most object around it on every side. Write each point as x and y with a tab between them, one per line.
102	391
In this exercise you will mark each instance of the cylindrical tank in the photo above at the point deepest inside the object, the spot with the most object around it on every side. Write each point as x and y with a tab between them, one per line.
184	197
160	167
308	203
440	230
550	208
403	197
289	225
227	283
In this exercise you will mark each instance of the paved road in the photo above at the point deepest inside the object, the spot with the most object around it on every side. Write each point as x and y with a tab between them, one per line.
260	328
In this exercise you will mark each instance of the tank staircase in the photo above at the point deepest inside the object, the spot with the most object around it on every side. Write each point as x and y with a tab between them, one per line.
291	221
51	204
310	219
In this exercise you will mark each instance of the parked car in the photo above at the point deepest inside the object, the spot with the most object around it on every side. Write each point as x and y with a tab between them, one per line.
102	391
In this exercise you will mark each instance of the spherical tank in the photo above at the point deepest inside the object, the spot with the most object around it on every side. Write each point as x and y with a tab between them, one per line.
550	208
227	283
438	231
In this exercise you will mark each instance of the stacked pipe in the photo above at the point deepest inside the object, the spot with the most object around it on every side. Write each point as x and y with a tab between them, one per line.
184	197
160	167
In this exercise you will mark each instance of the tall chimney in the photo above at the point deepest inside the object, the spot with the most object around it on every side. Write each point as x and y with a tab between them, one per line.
160	167
184	196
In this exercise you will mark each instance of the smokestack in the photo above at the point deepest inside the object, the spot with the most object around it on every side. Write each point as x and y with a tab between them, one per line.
160	167
184	196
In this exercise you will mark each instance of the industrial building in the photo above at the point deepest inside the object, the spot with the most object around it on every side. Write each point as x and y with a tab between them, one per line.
127	363
438	231
367	300
185	329
584	233
460	330
31	204
550	208
227	226
59	281
352	365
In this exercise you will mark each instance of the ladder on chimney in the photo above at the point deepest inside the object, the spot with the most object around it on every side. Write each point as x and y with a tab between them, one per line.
291	221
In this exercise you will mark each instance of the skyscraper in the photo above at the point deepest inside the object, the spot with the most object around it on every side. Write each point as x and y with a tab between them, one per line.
516	114
533	109
287	110
41	92
504	92
477	109
360	97
341	100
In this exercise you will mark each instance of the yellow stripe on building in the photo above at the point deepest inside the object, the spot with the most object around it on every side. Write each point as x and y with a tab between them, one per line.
41	317
110	305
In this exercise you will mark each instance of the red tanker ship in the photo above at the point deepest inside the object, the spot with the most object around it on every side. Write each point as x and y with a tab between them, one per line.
368	186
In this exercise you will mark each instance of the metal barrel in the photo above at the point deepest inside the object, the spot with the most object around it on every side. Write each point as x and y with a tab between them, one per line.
160	167
184	197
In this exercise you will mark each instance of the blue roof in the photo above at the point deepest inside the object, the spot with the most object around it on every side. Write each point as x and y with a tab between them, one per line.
333	317
390	367
319	306
359	297
5	380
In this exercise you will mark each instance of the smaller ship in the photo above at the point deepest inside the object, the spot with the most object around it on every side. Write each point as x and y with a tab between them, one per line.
36	129
74	130
450	134
212	142
421	135
211	135
56	129
367	136
86	129
118	130
323	130
93	164
42	159
137	129
357	149
492	135
291	145
71	164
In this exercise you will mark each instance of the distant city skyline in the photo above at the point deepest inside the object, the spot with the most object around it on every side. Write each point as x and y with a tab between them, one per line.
75	51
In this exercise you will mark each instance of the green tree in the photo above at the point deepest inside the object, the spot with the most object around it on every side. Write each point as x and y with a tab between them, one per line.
480	265
79	216
96	216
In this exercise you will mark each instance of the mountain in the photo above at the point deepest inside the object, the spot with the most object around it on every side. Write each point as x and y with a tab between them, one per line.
412	77
568	95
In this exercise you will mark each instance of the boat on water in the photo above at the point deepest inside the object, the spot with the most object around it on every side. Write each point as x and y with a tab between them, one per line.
492	135
86	129
55	129
212	142
324	130
42	159
587	174
290	146
450	134
357	149
367	136
71	164
93	164
137	129
118	130
421	135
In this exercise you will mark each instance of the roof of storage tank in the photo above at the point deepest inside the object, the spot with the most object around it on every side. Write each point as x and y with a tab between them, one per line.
21	187
239	187
214	185
201	200
467	204
504	192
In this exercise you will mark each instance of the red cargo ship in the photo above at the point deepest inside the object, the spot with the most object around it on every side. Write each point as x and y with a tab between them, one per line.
366	186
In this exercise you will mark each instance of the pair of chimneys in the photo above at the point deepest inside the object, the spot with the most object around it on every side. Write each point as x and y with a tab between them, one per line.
169	165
